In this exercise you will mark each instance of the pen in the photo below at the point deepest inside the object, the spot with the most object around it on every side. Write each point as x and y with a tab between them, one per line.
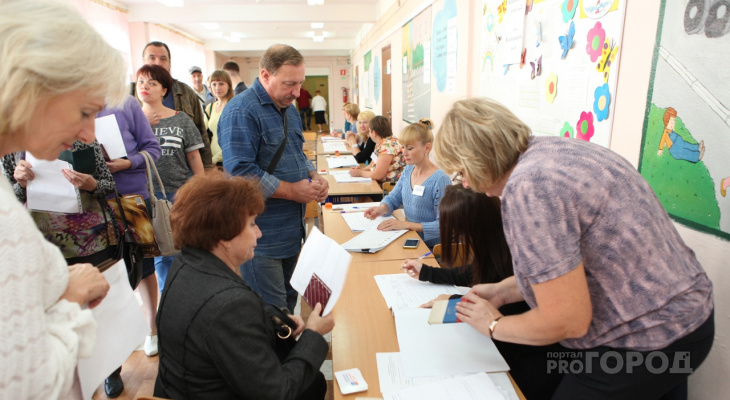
310	180
425	255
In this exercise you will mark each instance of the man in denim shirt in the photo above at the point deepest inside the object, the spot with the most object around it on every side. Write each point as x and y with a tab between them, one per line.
250	131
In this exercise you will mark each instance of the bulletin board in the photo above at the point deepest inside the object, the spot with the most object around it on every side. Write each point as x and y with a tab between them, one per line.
686	133
416	64
554	63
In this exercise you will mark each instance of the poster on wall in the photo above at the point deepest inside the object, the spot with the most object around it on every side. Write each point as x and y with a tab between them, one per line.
554	63
445	45
367	80
687	120
416	55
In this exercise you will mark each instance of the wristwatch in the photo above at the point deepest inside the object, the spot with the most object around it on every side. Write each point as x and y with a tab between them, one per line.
494	325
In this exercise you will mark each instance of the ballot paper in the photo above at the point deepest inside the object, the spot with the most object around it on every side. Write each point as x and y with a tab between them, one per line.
50	190
122	326
354	207
392	378
372	240
357	222
321	270
344	177
341	162
333	146
435	350
471	387
402	291
109	135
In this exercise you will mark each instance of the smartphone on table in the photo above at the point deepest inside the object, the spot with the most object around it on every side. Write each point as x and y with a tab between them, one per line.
411	243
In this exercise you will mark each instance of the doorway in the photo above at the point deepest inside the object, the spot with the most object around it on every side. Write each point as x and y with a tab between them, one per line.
313	83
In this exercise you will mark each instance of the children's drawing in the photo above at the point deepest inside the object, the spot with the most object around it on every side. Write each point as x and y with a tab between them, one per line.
687	120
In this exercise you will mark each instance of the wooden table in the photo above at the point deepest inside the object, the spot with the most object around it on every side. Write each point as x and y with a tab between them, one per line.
320	148
365	326
352	189
336	228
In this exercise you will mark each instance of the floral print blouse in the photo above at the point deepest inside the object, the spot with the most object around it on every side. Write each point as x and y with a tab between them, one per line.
391	146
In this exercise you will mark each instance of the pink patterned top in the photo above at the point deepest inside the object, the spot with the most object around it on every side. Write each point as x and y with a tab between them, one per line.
391	146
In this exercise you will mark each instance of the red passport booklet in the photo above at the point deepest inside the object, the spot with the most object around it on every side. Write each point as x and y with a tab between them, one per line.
317	292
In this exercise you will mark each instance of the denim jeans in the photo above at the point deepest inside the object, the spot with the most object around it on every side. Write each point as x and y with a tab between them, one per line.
270	278
305	114
163	263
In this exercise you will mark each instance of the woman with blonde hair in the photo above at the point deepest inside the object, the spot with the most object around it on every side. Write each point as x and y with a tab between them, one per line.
350	111
222	88
360	144
57	73
596	257
420	188
388	163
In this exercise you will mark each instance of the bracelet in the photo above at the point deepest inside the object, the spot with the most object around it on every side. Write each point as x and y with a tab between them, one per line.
494	325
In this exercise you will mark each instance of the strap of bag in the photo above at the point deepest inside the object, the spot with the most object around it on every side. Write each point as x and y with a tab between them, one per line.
151	167
280	150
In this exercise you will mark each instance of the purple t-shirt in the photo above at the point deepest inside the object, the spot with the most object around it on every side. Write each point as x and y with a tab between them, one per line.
569	201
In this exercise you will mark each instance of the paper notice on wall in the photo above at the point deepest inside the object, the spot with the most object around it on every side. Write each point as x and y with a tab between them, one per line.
514	23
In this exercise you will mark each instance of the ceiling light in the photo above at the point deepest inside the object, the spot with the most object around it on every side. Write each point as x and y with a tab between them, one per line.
318	38
315	2
213	26
173	3
317	25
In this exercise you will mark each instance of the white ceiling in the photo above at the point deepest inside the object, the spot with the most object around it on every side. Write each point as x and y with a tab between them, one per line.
261	23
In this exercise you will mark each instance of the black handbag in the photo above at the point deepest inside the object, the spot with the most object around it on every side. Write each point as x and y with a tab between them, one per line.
127	248
284	328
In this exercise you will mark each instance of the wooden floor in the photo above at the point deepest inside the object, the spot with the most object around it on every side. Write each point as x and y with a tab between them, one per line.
139	373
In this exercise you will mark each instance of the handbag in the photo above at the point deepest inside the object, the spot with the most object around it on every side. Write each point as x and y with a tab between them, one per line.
160	211
284	328
127	248
138	221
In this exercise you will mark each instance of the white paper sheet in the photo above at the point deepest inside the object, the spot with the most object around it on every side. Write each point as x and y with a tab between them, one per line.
344	177
391	375
50	190
323	256
471	387
355	206
341	162
332	139
504	385
331	147
434	350
358	223
122	326
109	135
372	240
402	291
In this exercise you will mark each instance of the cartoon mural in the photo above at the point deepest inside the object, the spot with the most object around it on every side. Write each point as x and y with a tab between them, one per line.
687	122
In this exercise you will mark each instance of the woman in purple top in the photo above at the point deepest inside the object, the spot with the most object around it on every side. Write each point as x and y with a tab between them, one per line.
595	256
131	178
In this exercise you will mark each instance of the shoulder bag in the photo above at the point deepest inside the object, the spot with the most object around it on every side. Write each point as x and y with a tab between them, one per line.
160	211
284	328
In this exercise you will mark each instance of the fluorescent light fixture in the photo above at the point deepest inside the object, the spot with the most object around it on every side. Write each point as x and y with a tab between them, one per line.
317	25
232	39
213	26
315	2
173	3
318	38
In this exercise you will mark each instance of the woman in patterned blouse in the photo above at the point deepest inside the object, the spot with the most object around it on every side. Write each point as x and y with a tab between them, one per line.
387	159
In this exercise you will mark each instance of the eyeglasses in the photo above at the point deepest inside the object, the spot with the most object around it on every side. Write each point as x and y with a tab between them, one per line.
457	177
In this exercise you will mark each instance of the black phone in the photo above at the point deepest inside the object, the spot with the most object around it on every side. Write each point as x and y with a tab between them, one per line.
411	243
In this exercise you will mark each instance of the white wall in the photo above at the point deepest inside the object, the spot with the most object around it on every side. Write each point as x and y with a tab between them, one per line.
711	380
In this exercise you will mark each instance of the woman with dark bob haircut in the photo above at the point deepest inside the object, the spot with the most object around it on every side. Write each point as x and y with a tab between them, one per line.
215	338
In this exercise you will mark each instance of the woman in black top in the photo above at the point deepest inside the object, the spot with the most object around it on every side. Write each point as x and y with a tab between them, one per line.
359	143
463	214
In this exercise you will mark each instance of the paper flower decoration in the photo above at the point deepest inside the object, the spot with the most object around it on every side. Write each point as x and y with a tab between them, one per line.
551	88
568	8
602	98
567	130
596	37
584	128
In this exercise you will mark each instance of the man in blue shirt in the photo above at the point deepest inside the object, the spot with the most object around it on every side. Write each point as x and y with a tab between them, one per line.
250	131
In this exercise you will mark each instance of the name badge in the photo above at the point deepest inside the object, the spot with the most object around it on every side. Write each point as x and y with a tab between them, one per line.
374	157
418	190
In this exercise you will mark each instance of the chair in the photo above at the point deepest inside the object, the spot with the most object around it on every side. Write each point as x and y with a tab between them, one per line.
460	259
388	187
310	215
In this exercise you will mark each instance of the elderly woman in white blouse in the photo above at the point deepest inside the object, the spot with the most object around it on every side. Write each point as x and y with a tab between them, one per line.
57	73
